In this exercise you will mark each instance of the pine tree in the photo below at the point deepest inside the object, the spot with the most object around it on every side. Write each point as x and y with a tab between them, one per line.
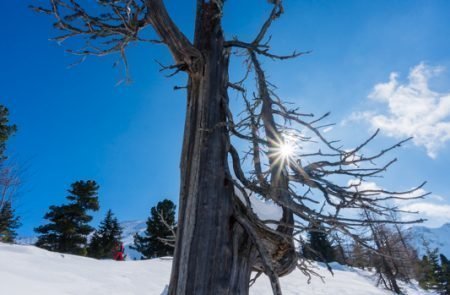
431	270
8	223
6	130
106	238
319	247
69	224
425	273
444	278
160	229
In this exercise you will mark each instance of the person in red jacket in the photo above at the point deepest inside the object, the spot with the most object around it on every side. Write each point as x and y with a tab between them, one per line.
119	252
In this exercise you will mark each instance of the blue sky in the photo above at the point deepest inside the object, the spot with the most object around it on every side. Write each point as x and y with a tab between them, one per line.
78	124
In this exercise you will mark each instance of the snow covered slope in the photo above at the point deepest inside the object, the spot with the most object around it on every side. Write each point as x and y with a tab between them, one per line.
28	270
436	237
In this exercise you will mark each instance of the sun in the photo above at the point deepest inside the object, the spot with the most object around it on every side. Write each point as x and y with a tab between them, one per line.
286	150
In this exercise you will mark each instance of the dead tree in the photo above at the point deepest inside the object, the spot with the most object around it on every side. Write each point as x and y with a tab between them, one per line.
9	184
9	181
220	239
170	239
9	176
394	259
385	263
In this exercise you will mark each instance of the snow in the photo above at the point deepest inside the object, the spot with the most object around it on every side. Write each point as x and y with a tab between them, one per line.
28	270
26	240
130	228
264	209
436	237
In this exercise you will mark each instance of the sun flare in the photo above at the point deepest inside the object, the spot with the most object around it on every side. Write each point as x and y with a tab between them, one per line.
286	150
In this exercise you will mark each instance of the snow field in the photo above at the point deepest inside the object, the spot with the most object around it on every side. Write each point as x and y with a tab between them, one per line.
26	270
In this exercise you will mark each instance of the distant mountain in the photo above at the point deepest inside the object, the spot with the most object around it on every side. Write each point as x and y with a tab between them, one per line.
26	240
436	237
130	228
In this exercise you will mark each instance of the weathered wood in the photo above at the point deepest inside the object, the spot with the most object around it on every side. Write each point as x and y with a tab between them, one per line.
184	53
212	252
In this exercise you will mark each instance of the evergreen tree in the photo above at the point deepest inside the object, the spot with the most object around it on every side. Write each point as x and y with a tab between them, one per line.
8	223
444	285
160	229
318	247
106	238
6	130
431	270
69	224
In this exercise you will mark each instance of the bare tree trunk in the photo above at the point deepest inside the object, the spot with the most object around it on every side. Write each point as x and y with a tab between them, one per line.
212	251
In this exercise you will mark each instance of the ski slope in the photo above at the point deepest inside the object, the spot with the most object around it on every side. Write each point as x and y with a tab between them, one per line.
26	270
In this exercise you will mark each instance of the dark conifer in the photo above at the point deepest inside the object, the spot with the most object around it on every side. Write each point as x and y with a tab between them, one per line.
431	270
160	231
68	225
444	278
319	247
6	130
106	238
8	223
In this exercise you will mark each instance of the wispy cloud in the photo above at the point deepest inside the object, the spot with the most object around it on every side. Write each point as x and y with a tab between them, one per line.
436	214
433	207
412	109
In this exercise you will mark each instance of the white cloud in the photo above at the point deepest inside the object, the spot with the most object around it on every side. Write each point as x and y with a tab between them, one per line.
436	214
327	129
412	109
363	185
432	207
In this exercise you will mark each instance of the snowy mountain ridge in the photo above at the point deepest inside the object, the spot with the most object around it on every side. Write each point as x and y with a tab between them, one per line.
130	228
436	238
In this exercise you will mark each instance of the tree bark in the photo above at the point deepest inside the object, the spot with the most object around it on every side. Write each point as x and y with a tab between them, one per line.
212	253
